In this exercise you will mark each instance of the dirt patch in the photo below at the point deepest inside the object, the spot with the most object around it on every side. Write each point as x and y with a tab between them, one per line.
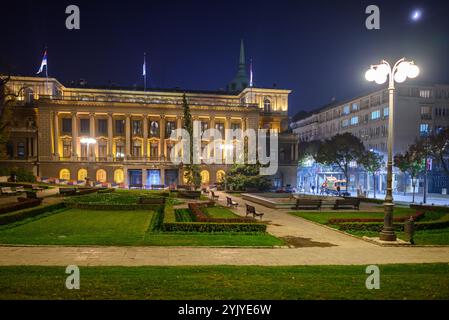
298	242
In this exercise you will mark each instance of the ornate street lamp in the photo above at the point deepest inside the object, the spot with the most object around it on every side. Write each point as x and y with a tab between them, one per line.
380	73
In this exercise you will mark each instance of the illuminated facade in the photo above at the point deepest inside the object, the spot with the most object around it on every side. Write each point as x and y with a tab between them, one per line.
420	109
123	136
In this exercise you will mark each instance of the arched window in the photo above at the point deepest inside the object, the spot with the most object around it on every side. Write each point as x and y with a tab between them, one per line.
267	105
220	176
119	176
64	174
82	174
205	178
101	175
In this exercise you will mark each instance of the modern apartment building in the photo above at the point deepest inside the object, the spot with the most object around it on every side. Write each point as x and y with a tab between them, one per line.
419	109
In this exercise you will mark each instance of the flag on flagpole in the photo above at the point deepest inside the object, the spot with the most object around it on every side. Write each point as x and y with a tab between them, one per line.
251	73
44	63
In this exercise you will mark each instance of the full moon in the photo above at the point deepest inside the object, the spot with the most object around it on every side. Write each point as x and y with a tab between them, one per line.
416	15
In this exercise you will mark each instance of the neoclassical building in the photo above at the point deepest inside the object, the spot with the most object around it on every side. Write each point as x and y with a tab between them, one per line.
123	136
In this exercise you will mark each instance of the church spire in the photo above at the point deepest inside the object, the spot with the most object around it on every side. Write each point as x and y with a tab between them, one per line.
242	53
240	81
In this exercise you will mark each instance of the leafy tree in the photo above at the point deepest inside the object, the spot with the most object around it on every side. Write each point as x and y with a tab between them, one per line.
439	148
309	149
372	162
6	99
410	162
340	151
241	177
191	170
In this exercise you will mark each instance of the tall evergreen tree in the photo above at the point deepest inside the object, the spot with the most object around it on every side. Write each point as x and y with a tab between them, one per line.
191	170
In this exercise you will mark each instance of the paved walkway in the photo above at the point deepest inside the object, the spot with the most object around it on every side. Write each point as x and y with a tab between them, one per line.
326	247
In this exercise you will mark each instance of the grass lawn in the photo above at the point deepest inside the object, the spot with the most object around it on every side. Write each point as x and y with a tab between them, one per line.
423	237
84	227
220	212
324	217
423	281
81	227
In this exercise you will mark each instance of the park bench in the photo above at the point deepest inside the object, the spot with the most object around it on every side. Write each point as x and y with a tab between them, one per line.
183	187
252	210
157	187
20	189
347	204
7	191
308	204
36	187
231	203
213	195
150	200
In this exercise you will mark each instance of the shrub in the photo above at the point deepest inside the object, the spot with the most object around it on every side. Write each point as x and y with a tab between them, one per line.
429	208
22	204
214	227
200	216
28	213
107	207
417	216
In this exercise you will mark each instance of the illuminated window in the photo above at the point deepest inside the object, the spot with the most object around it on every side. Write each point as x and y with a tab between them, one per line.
354	121
205	177
119	176
220	176
82	174
101	175
64	174
267	105
375	115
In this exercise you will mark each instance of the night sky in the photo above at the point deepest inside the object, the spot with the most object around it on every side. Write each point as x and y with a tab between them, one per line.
319	49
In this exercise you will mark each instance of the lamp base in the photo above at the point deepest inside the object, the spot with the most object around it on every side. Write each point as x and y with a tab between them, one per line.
387	235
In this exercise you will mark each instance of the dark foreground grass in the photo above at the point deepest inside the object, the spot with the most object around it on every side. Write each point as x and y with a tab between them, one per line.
424	281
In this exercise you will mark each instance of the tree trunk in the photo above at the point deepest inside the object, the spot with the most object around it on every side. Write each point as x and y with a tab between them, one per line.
405	184
413	185
374	185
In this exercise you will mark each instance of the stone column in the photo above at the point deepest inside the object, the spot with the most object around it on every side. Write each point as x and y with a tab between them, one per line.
110	137
74	136
163	176
56	135
145	137
128	136
92	153
162	156
144	177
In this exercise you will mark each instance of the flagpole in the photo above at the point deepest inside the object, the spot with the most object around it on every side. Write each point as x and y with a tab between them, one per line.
145	71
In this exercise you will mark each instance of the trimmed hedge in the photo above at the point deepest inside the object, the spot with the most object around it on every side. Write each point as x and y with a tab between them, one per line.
172	224
429	208
367	200
23	203
28	213
113	207
424	225
214	227
200	216
416	217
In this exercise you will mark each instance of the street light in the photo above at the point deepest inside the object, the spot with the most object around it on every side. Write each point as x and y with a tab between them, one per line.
380	73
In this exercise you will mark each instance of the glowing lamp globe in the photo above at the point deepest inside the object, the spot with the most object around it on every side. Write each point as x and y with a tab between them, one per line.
370	75
400	76
383	69
413	71
380	78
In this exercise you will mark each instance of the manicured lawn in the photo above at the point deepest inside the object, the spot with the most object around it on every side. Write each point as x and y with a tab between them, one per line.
324	217
424	281
86	227
120	197
423	237
81	227
220	212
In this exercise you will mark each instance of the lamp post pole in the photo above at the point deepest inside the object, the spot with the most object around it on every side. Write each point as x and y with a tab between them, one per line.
399	73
